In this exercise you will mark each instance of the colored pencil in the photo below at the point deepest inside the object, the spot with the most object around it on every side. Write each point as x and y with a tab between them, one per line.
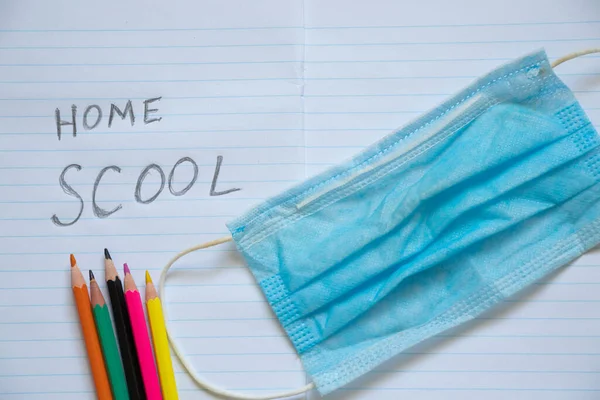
104	326
161	342
141	338
135	384
92	344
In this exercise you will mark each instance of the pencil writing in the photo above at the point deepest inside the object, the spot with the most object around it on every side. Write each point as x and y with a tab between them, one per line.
164	180
92	116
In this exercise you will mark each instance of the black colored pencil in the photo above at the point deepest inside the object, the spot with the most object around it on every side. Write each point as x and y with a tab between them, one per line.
133	375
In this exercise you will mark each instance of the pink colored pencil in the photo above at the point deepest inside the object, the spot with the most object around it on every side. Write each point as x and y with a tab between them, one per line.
141	338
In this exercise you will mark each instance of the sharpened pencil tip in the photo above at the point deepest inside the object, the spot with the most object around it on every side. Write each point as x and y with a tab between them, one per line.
107	255
73	261
148	277
92	278
126	269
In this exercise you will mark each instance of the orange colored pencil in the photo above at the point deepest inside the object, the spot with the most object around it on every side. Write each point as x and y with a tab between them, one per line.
90	336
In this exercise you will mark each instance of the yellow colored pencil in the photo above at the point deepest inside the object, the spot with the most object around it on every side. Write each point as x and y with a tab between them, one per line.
161	343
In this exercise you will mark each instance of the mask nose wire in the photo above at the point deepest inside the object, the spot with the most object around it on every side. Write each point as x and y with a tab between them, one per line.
573	55
203	383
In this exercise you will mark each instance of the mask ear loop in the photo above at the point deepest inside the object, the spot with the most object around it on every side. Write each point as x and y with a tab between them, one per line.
573	55
241	396
190	369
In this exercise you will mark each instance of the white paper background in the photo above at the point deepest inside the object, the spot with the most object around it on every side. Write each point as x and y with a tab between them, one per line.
281	90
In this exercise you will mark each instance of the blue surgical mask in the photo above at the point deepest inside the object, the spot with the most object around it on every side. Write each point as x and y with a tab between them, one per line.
431	226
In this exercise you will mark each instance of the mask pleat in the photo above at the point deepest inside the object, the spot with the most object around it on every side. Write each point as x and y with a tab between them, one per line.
413	217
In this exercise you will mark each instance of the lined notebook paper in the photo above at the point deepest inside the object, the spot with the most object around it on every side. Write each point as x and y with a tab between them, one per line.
259	95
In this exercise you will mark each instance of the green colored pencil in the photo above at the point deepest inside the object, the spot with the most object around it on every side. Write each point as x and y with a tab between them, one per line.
114	367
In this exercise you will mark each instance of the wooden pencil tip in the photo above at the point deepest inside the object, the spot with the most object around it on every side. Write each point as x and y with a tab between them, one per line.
126	269
148	277
73	261
92	278
107	255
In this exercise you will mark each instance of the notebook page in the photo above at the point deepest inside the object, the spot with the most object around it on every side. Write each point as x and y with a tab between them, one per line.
228	75
373	66
206	68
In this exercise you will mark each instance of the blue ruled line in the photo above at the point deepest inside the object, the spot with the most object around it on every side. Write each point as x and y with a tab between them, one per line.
196	63
273	318
251	45
255	28
386	371
148	149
